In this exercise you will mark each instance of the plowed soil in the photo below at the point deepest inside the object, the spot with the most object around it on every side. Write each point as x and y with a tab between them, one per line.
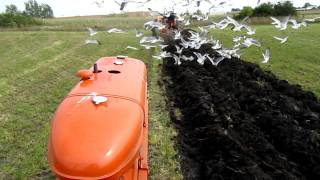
239	122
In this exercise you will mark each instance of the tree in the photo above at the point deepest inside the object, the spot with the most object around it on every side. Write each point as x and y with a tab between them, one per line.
46	11
246	11
235	9
284	9
35	10
265	9
306	5
11	9
32	8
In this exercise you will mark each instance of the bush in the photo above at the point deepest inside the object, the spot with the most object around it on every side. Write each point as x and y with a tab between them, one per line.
265	9
12	9
32	8
306	5
246	11
284	9
17	20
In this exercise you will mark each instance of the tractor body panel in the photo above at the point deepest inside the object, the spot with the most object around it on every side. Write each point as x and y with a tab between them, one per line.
108	140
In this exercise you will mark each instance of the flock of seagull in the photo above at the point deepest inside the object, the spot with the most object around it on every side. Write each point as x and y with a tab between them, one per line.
196	39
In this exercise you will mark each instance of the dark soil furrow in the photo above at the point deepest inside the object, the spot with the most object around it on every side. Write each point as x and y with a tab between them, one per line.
239	122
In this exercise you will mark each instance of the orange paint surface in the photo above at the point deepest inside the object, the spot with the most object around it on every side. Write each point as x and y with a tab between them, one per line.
107	140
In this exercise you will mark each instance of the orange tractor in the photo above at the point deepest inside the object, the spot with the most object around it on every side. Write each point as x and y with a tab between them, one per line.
100	130
170	22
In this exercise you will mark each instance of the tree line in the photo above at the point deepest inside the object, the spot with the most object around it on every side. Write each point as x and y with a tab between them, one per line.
285	8
13	17
33	9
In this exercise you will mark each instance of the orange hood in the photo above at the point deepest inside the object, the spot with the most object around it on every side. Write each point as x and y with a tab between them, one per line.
96	141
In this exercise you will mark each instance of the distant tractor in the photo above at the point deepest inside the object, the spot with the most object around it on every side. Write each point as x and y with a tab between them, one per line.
171	23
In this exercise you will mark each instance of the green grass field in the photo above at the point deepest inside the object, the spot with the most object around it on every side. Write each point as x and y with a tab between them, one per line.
101	23
37	72
131	21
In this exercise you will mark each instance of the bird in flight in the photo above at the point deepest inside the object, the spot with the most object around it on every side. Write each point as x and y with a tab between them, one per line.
250	41
124	3
295	24
90	41
258	2
312	20
215	62
92	31
139	33
115	30
266	56
148	46
99	3
282	25
282	40
131	47
150	39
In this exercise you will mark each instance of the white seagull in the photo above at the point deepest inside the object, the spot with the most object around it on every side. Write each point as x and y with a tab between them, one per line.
282	25
139	33
250	41
91	41
131	47
282	40
92	31
115	30
266	56
124	3
200	58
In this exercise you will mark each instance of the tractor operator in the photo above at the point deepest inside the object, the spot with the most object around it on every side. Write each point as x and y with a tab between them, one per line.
171	21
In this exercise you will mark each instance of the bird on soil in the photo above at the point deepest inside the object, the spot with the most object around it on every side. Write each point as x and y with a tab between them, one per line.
215	62
200	58
184	57
165	54
177	60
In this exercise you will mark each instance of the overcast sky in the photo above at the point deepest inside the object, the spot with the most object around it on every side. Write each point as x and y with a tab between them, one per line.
87	7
